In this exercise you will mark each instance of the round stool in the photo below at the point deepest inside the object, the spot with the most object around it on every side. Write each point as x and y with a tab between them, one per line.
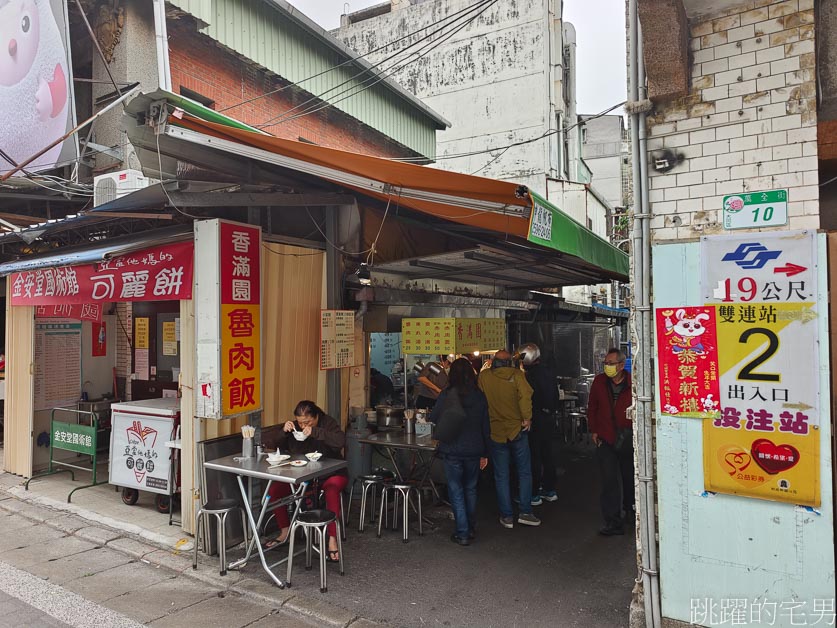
220	508
401	492
367	482
314	521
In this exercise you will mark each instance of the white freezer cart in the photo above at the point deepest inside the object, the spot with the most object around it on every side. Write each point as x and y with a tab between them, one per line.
139	458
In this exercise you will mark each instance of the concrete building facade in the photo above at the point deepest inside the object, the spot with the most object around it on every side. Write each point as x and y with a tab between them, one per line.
504	75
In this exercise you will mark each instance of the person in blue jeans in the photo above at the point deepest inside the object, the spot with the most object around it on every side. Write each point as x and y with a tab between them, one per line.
464	455
509	398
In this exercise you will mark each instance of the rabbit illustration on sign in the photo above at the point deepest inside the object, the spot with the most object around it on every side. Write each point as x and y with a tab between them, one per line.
686	332
34	82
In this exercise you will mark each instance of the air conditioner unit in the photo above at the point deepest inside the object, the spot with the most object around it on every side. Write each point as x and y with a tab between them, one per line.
113	185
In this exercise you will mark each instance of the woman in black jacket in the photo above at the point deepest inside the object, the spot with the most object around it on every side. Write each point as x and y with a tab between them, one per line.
323	434
466	454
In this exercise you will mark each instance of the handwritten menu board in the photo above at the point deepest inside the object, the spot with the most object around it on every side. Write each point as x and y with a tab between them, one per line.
480	334
57	363
337	339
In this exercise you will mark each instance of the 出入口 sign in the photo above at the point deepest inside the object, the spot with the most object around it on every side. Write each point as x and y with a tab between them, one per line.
765	443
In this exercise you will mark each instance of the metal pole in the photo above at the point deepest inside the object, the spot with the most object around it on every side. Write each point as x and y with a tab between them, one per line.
96	45
333	288
75	130
647	478
162	40
641	258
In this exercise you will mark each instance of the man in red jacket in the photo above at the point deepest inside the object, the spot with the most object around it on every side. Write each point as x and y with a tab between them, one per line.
612	433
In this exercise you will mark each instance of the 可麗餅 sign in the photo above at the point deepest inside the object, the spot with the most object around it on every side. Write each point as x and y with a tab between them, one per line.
765	443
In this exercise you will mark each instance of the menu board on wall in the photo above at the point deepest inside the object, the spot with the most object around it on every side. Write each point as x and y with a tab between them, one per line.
337	339
57	363
437	336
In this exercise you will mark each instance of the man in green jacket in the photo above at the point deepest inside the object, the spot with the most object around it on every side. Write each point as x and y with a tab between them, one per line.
510	412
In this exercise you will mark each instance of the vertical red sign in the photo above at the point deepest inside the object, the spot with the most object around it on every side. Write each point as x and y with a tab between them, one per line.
687	354
240	255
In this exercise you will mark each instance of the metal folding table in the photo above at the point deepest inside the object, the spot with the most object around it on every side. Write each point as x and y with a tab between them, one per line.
258	468
425	449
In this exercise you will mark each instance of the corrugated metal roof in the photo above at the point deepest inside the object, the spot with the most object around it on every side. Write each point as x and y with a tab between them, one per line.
90	254
278	37
201	9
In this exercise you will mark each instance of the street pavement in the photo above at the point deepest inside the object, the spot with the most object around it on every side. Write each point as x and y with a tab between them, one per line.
559	574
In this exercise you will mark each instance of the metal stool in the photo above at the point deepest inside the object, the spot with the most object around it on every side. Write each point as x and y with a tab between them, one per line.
402	492
367	482
314	521
575	424
220	508
342	511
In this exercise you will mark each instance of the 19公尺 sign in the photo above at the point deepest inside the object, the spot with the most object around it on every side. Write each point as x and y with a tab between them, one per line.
756	209
765	443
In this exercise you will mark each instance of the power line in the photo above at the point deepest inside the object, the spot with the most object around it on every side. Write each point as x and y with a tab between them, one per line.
382	74
508	146
352	59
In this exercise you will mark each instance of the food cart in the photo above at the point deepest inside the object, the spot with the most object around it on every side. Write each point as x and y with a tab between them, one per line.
139	457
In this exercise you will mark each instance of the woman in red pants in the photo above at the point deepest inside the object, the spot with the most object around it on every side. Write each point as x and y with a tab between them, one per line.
323	434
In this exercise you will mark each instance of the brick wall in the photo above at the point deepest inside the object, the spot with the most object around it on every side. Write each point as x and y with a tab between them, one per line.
748	124
198	63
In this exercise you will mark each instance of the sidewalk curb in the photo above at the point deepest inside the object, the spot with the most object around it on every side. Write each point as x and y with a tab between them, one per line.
178	562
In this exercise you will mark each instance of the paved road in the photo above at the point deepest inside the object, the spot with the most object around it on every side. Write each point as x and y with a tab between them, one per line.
49	577
26	600
14	613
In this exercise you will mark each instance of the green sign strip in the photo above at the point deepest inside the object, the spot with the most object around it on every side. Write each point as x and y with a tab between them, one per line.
74	437
552	228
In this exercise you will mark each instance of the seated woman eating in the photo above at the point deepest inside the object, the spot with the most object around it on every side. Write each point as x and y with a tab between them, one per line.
324	435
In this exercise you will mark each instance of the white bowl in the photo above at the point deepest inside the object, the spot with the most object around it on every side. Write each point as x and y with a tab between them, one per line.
299	436
275	458
314	456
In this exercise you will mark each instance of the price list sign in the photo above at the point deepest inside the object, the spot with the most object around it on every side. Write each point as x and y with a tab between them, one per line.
428	336
337	339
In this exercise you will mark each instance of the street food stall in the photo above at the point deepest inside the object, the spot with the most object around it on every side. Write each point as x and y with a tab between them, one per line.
427	338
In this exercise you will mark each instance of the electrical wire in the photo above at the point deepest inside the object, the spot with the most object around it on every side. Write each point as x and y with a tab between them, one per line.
350	60
381	73
521	143
320	97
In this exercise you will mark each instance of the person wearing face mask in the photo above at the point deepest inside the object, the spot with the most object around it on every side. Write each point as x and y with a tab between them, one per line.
612	433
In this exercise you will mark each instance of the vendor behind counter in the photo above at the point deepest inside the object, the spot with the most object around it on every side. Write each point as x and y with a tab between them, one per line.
432	380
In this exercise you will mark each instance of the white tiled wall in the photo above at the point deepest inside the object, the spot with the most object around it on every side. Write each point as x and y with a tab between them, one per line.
749	123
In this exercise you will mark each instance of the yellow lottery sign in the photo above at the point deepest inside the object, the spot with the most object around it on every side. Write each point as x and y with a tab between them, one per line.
766	444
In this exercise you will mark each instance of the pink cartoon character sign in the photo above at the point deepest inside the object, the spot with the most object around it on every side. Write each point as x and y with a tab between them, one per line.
686	332
34	82
687	355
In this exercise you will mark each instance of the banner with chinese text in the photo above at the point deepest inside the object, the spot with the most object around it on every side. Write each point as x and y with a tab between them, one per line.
687	354
240	284
766	442
480	334
156	274
438	336
76	311
427	336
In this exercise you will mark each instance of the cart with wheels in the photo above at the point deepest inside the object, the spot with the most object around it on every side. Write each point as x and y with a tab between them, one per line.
140	461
